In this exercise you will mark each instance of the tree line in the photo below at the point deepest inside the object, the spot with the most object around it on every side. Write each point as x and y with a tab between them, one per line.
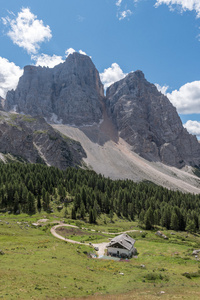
29	188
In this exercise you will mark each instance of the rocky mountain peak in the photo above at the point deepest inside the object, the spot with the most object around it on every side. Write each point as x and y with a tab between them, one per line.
71	92
148	121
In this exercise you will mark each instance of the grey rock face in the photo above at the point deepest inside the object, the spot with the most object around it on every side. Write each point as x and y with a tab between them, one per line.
147	120
2	101
33	140
70	92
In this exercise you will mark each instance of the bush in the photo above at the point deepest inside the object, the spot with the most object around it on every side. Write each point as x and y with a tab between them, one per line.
156	276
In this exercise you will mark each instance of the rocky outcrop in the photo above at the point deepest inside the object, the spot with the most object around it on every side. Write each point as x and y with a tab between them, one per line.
147	120
2	101
71	92
32	140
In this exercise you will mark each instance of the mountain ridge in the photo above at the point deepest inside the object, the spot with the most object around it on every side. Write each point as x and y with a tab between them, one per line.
133	110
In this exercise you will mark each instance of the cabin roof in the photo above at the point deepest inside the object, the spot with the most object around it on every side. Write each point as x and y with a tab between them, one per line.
124	240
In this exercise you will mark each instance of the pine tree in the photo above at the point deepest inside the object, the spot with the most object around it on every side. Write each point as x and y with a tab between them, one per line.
73	213
39	205
82	210
148	219
91	216
31	203
16	203
174	221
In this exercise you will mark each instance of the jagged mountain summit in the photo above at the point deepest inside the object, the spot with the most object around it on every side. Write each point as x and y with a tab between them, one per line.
71	93
147	120
28	139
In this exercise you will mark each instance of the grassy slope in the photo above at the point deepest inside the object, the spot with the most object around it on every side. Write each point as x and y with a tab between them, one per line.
36	265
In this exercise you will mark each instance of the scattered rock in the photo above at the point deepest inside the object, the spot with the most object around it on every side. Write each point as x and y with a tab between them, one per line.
1	252
196	252
60	207
36	225
159	233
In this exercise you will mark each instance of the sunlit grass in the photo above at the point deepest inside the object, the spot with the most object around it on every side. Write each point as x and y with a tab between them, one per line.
36	265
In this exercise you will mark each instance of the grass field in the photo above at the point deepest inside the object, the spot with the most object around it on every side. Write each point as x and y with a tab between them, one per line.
36	265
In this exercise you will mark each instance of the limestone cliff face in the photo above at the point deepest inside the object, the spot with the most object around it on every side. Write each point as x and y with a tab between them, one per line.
149	123
33	140
2	101
71	92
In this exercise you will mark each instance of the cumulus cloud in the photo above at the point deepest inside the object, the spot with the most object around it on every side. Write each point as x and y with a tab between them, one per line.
182	4
69	51
124	14
9	76
26	31
119	2
45	60
163	89
187	98
111	75
193	127
82	52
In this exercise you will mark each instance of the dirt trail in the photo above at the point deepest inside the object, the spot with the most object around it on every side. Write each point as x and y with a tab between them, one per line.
101	246
114	158
53	232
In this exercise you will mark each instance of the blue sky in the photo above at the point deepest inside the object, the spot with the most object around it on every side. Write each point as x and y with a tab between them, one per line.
159	37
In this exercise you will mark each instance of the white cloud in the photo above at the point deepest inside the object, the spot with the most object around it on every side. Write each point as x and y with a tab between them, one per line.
182	4
187	98
69	51
45	60
119	2
193	127
162	89
9	76
111	75
82	52
27	31
124	14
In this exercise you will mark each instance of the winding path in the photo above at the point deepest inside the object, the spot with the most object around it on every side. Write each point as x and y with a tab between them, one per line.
100	246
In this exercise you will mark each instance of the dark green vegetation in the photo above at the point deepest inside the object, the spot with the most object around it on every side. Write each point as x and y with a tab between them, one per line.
28	188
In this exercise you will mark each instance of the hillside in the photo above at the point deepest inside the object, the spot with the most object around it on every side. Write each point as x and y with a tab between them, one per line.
27	139
117	161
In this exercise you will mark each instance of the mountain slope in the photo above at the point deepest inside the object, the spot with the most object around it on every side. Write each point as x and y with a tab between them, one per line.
33	140
117	161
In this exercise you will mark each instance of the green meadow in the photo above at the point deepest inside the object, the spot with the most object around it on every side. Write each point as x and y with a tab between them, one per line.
36	265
